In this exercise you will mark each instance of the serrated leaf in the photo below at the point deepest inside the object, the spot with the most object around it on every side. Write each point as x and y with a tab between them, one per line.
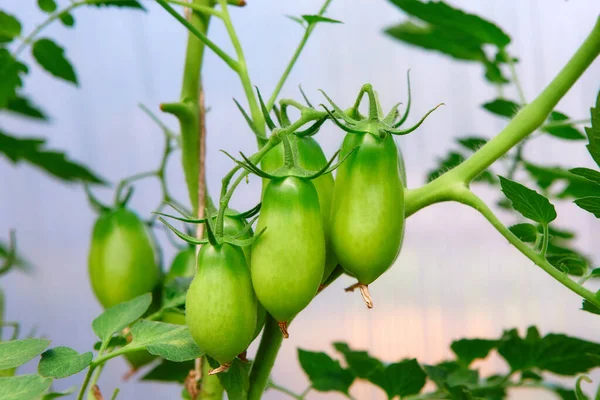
23	106
593	132
169	341
441	14
590	204
590	307
14	353
47	6
67	19
235	379
587	173
169	371
23	387
55	163
116	318
472	143
10	27
325	373
359	362
51	57
502	107
313	19
525	232
528	202
61	362
400	379
119	3
468	350
10	76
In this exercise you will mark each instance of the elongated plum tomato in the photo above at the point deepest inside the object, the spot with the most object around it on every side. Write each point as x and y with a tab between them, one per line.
122	263
311	158
221	304
289	258
368	206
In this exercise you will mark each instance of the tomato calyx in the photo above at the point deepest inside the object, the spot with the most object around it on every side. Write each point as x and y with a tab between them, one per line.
364	291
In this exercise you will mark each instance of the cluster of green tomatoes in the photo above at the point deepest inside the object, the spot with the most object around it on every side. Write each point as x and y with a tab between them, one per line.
311	228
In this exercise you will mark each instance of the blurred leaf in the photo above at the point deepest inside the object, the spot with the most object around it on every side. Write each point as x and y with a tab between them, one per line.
359	362
593	132
441	14
578	391
589	174
590	204
493	72
53	162
21	105
295	19
174	292
567	132
577	186
451	161
463	377
47	6
115	341
116	318
528	202
325	374
590	307
169	341
531	375
14	353
51	57
502	107
567	260
56	395
525	232
10	28
67	19
468	350
235	379
472	143
557	233
10	76
313	19
565	394
61	362
119	3
23	387
400	379
169	371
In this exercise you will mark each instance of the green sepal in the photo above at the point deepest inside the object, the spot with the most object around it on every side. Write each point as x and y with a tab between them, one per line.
244	242
415	126
183	236
311	130
264	110
304	96
409	102
248	119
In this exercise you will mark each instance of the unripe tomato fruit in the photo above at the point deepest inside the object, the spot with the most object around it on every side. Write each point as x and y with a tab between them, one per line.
220	304
183	265
311	158
122	263
367	216
289	258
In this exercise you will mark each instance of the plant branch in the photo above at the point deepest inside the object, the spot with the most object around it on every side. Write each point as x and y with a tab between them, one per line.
270	343
282	389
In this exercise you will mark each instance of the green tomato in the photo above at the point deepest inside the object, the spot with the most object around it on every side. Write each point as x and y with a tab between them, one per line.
172	317
122	262
220	304
139	358
311	158
289	258
183	265
368	206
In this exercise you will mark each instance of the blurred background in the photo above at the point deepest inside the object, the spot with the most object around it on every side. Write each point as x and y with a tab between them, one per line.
456	276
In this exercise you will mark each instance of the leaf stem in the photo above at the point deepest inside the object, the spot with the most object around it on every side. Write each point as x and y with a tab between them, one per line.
282	389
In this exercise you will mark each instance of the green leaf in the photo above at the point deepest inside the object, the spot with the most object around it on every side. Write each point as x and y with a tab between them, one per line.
565	394
589	174
235	379
10	76
169	371
119	3
325	373
400	379
567	132
502	107
47	6
23	387
61	362
14	353
313	19
529	203
472	143
590	307
53	162
451	161
295	19
169	341
578	391
56	395
590	204
437	375
567	260
174	293
525	232
577	186
468	350
67	19
10	28
51	57
359	362
463	377
557	353
22	105
557	233
116	318
593	132
441	14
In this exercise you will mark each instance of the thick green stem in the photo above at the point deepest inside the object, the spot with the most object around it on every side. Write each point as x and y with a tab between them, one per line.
526	121
265	358
211	388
